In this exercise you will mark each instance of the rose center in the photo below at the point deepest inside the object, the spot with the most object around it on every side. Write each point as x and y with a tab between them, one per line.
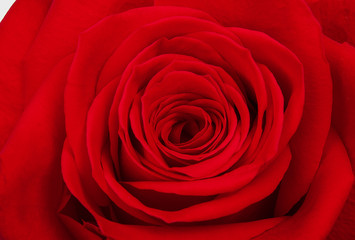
184	131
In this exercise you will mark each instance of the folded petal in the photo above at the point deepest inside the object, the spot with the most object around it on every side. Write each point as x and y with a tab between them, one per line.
341	58
244	231
325	199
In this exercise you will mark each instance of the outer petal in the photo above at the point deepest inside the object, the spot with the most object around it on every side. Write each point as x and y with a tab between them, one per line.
341	58
240	231
293	25
337	18
31	185
17	31
325	199
59	34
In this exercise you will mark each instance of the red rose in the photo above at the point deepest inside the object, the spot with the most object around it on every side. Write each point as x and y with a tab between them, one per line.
176	120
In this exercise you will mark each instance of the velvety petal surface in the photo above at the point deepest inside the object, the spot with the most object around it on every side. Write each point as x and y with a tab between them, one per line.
31	185
17	31
337	18
341	58
59	34
325	199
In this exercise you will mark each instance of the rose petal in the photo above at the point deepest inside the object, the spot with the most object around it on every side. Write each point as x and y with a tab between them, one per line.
31	185
325	199
244	231
59	35
226	183
17	31
288	72
337	18
341	58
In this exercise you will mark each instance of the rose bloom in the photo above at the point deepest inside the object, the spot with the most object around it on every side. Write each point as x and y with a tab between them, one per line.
177	119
